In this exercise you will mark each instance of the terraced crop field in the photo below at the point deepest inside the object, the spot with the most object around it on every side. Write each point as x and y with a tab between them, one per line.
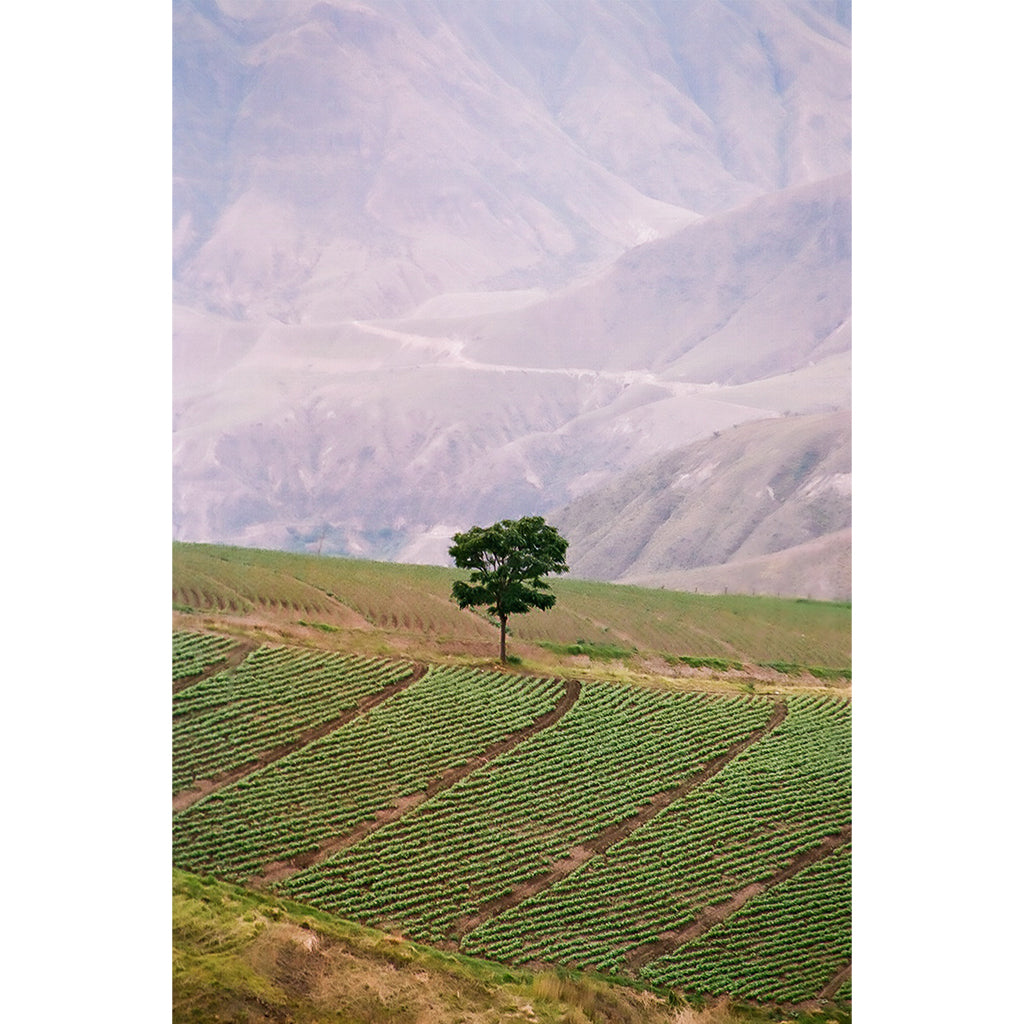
274	697
192	654
685	840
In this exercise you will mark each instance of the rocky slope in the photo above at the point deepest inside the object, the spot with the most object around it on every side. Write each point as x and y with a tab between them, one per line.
757	490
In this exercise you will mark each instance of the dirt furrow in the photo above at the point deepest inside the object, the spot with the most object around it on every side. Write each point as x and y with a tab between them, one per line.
279	870
579	855
203	787
841	978
706	920
231	660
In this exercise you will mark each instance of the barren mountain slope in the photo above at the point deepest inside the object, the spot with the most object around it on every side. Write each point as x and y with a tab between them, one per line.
820	569
352	159
743	295
379	439
438	263
756	490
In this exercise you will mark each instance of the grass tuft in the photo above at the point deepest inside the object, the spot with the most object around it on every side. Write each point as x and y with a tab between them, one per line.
597	652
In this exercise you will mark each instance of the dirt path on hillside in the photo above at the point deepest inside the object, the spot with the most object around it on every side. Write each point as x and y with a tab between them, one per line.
579	855
279	870
234	657
706	920
204	787
841	978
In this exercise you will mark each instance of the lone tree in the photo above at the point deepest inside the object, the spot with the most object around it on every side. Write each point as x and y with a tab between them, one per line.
508	562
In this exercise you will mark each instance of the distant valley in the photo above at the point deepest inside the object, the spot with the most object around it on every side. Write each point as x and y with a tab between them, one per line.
444	263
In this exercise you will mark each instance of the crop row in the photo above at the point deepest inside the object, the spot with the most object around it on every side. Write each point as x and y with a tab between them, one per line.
604	761
783	945
460	857
326	788
779	798
220	579
193	653
276	694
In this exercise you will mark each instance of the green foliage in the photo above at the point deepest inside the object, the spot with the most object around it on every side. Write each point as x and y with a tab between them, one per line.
508	562
785	943
235	716
598	652
819	672
718	664
453	867
194	653
329	786
602	763
779	799
830	673
417	599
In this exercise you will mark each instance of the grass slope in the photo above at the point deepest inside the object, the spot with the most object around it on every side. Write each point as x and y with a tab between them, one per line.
244	957
406	610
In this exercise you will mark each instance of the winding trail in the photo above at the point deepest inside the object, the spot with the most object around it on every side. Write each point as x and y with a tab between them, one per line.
204	787
671	940
579	855
279	870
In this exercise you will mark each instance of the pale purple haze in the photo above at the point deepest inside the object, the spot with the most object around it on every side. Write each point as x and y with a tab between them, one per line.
440	263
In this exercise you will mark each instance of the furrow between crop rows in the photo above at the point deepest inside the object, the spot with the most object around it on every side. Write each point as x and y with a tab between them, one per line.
379	759
545	801
205	787
615	833
279	870
842	977
226	724
707	919
787	944
777	801
197	656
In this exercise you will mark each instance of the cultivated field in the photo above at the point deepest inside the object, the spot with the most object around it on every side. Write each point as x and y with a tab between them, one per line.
685	831
406	610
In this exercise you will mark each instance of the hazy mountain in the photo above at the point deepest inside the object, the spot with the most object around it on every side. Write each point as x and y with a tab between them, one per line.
438	262
754	491
820	569
351	159
736	297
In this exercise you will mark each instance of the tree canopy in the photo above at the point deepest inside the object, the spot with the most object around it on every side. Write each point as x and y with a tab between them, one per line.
508	562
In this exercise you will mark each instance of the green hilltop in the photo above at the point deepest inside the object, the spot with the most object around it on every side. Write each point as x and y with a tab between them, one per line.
393	609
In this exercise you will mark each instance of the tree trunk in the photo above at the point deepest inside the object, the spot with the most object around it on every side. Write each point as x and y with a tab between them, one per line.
503	619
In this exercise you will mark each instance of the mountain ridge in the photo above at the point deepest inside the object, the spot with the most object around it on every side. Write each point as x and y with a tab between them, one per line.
439	263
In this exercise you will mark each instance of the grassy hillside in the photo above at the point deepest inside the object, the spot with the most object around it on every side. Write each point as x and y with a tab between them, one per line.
658	794
405	610
247	956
